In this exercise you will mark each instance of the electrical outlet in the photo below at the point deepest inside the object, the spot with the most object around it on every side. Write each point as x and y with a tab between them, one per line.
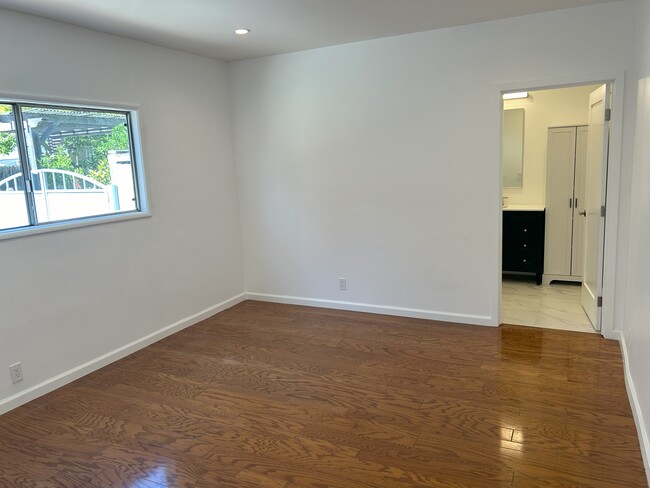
16	371
343	284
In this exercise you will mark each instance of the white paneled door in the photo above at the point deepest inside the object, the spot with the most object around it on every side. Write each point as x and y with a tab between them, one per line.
559	200
565	194
594	201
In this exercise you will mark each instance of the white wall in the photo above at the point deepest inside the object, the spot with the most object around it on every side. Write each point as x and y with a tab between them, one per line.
78	294
544	109
379	161
637	304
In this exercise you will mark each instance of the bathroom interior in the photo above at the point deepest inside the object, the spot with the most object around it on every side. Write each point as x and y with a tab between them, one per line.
544	151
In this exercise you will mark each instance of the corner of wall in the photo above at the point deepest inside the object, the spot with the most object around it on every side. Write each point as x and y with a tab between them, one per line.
77	372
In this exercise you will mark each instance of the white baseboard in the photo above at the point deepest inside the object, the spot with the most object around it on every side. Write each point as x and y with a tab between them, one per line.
378	309
69	376
644	440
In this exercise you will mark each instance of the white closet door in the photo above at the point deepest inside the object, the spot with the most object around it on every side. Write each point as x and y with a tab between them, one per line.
577	255
559	200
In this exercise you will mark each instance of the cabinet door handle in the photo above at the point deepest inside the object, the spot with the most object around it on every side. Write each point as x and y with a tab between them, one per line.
570	202
583	213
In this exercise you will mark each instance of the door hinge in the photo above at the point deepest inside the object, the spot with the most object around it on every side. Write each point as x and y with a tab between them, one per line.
608	114
602	210
28	186
599	302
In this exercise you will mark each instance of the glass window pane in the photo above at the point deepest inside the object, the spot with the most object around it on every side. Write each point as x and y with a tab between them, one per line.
13	206
80	161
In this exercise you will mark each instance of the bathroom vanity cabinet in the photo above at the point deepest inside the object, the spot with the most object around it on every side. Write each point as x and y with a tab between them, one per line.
523	240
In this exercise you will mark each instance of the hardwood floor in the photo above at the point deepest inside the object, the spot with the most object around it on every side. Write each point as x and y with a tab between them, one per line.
267	395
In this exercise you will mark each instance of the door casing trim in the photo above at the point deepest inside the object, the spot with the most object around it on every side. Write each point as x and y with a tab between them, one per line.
617	81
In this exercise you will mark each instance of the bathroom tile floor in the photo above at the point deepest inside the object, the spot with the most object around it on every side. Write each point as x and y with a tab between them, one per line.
554	306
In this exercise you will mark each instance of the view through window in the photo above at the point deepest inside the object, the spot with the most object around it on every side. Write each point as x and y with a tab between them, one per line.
64	163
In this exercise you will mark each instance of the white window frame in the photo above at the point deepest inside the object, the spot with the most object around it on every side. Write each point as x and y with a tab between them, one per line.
137	160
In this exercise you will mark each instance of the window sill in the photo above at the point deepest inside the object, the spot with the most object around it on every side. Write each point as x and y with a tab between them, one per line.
70	224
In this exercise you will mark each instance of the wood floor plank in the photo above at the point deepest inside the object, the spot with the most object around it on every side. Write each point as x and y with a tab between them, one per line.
271	395
119	466
447	466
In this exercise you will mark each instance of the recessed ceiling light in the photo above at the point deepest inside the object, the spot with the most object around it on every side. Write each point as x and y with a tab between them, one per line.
241	32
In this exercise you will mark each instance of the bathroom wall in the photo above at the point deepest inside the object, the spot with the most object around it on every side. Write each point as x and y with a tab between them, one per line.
544	109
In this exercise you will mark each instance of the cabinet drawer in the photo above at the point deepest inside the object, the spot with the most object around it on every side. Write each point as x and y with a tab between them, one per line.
518	242
526	230
523	224
520	260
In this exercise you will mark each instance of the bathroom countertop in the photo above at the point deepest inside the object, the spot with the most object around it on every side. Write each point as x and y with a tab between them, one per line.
524	208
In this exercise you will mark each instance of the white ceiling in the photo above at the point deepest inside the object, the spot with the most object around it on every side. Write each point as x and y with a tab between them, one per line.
278	26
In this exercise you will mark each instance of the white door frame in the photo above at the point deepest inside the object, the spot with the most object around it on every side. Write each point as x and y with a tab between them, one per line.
617	80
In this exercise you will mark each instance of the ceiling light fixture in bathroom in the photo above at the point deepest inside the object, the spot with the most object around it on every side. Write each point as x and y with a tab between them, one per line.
514	96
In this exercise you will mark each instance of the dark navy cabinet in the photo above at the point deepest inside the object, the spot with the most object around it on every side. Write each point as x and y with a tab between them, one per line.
523	242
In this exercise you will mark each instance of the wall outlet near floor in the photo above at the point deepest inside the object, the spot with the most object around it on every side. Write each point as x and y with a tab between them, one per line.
16	371
343	284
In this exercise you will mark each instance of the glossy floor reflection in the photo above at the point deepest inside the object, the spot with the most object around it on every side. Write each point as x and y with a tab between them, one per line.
554	306
266	395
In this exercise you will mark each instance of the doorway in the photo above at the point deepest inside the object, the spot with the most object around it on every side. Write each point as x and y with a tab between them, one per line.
545	148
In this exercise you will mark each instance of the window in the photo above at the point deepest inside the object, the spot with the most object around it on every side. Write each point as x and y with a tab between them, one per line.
61	164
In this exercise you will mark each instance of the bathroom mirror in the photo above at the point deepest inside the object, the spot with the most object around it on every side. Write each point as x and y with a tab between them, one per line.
513	148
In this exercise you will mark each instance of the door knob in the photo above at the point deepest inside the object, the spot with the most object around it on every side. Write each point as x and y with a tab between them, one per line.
583	213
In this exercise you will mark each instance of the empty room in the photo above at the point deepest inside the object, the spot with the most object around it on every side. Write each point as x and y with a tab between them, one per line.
325	243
